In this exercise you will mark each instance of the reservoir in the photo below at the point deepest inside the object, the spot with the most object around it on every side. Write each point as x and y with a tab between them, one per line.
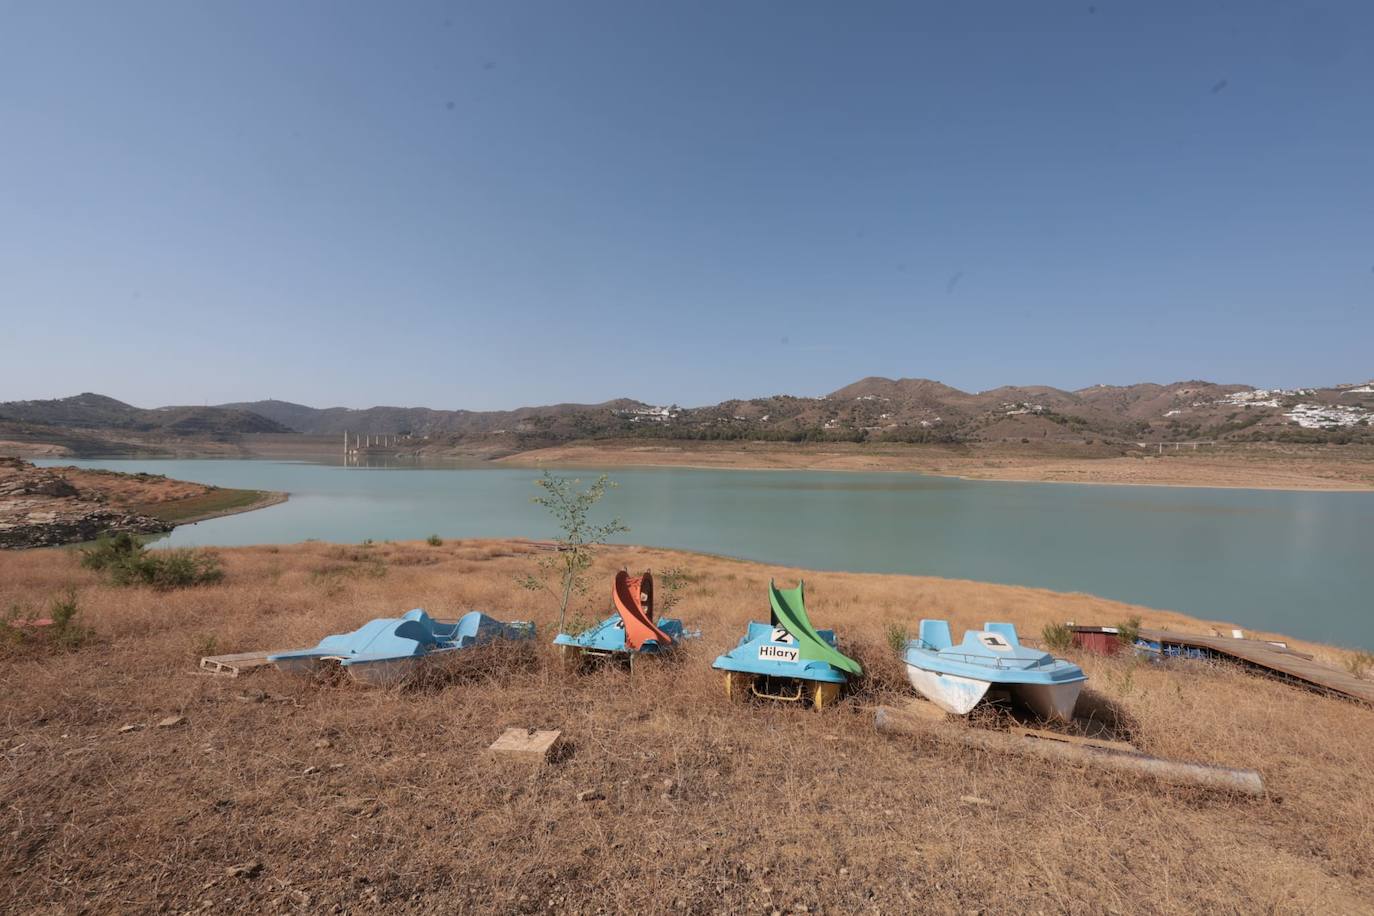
1293	562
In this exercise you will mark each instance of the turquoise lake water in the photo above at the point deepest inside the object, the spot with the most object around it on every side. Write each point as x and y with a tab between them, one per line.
1296	563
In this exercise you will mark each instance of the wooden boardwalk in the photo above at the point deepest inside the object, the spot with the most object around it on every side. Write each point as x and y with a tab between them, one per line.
1276	660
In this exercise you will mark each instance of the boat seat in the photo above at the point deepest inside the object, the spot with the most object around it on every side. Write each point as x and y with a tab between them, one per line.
1006	630
935	634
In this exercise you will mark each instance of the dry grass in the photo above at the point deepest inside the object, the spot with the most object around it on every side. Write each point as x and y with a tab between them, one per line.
212	504
175	501
385	800
1257	466
127	490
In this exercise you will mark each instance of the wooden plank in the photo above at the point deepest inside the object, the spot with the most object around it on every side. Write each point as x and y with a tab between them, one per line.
1105	744
1261	655
927	710
1178	772
235	664
527	743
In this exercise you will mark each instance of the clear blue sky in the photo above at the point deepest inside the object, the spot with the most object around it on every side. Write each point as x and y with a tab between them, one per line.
488	205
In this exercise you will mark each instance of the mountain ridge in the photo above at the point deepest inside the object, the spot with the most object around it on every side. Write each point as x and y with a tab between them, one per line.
875	408
89	410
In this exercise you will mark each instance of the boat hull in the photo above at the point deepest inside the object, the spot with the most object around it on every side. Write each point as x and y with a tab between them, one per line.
1049	701
958	695
950	692
296	664
391	672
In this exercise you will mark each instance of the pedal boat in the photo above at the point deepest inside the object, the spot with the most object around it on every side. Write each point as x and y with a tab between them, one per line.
787	658
630	631
990	660
386	651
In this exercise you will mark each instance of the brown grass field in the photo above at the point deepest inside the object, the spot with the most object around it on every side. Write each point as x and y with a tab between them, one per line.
358	800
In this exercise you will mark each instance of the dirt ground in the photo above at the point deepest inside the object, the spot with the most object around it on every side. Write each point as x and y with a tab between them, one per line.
282	795
1256	467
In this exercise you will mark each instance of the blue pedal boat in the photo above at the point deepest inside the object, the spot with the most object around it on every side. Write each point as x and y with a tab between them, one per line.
608	638
787	658
956	678
631	631
386	651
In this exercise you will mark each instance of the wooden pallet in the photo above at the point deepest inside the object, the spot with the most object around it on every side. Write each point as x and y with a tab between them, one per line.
234	665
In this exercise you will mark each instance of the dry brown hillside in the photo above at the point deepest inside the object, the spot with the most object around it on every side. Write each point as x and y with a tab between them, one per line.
276	795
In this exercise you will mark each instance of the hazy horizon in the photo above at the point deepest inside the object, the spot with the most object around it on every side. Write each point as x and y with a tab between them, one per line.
484	205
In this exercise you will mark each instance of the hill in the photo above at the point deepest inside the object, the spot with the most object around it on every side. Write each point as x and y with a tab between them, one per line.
892	410
875	409
96	411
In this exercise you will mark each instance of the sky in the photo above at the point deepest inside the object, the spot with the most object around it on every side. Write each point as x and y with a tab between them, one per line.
488	205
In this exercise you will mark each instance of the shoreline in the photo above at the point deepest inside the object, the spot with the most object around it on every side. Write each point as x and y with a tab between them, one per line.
269	498
1222	472
1276	469
63	504
923	472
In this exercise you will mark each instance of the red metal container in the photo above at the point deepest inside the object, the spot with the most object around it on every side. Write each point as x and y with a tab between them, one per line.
1097	640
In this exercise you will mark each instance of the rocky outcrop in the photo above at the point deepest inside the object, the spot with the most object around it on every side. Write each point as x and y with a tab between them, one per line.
50	529
40	507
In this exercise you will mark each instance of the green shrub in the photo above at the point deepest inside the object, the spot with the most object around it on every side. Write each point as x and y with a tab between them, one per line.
1056	636
563	573
168	569
1129	631
67	630
897	636
110	551
670	585
434	541
127	562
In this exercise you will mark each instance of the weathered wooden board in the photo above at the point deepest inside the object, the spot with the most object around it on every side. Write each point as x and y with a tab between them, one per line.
1245	782
1105	744
927	710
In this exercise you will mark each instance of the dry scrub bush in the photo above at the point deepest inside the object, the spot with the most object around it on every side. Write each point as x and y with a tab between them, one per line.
125	560
1056	636
1360	664
64	631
